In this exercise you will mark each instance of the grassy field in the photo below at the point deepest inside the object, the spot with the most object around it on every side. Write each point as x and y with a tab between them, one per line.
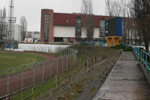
11	59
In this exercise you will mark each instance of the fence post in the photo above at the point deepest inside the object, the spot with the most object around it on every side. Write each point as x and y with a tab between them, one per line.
8	76
22	82
43	67
33	81
57	66
32	93
50	65
62	64
56	72
67	63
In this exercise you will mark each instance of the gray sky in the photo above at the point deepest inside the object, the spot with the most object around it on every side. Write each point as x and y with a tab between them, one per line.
31	9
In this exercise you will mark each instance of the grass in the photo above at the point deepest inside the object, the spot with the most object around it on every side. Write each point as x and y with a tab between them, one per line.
11	59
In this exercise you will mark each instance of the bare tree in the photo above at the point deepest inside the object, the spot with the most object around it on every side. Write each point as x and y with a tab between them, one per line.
109	7
23	23
114	7
142	13
3	25
87	19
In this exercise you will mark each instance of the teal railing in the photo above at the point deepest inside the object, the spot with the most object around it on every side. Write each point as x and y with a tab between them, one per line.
144	58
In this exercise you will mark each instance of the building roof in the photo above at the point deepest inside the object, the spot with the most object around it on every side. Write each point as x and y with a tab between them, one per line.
64	19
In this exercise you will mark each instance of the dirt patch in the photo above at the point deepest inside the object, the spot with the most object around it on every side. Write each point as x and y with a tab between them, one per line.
85	84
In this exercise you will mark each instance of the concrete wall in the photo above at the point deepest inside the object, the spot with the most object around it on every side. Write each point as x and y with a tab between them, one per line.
41	47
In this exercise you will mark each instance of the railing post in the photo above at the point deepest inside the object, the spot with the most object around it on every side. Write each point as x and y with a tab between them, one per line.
149	59
146	63
141	58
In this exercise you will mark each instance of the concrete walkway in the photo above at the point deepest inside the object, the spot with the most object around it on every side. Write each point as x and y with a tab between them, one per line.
125	82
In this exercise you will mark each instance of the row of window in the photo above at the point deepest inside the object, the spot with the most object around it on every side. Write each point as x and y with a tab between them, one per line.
79	27
46	27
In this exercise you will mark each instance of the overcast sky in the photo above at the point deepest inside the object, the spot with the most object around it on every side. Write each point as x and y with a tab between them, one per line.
31	9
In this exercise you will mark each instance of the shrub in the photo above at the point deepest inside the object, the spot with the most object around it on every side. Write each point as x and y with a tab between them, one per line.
123	47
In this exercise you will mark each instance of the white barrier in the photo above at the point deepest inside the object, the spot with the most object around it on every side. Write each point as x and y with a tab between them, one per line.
41	47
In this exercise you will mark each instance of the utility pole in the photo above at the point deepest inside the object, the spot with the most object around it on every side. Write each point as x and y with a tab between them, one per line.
12	21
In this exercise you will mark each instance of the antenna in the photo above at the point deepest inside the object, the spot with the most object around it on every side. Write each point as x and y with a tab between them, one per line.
12	21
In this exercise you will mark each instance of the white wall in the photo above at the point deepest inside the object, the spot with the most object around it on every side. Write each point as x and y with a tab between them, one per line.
69	31
64	31
83	34
41	47
96	33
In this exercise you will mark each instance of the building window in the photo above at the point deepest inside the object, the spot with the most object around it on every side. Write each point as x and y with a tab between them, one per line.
102	27
78	27
67	21
46	27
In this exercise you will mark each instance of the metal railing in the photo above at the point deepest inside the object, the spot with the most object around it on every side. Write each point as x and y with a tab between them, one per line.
12	82
137	52
144	58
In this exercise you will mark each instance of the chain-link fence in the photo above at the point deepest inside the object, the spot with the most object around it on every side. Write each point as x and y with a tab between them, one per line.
19	78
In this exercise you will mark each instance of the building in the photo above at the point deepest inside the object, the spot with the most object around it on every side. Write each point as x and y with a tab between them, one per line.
34	35
16	35
61	27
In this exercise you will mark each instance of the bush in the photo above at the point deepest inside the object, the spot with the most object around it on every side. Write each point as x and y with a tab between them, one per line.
15	45
123	47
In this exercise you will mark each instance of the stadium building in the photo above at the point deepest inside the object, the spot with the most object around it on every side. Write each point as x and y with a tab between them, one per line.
63	27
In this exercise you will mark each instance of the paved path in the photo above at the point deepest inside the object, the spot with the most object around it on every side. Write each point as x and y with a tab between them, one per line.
125	82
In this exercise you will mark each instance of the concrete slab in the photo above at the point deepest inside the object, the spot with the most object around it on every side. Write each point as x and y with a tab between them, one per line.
125	82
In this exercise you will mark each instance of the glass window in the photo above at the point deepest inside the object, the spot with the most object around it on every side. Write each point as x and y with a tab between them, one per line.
78	27
67	21
46	27
102	27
